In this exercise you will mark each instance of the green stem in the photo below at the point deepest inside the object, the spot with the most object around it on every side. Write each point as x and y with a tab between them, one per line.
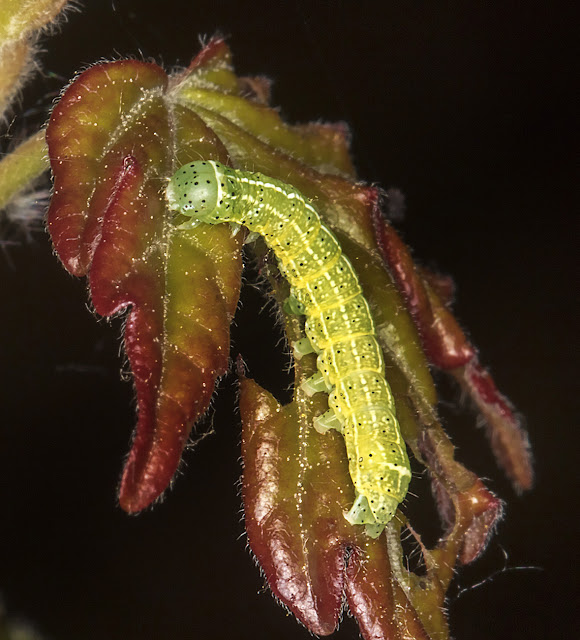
20	168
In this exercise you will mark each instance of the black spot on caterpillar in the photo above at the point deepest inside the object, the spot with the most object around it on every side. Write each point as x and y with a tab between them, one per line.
339	325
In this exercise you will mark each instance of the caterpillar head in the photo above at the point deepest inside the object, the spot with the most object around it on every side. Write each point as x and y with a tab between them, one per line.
194	191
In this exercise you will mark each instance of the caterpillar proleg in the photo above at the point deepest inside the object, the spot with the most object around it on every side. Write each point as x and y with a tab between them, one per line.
339	325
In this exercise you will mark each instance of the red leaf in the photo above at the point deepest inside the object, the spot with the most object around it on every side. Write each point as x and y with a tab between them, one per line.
293	511
448	348
112	139
443	340
508	438
375	598
90	112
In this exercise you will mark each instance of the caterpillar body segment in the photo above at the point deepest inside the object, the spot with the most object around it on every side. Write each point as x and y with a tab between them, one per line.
339	325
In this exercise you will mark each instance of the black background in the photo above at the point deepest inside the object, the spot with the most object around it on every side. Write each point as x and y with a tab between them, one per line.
466	107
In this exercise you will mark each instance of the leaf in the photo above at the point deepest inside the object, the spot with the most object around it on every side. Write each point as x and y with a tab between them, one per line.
19	20
296	488
443	341
294	494
427	296
21	168
504	428
112	142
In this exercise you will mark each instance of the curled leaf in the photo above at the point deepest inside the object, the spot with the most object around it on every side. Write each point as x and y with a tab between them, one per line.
112	141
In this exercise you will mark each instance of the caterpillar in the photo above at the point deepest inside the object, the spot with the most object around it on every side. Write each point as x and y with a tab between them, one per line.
339	326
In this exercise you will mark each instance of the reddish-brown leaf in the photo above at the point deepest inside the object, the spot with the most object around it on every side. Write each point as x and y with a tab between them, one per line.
113	141
377	600
294	493
427	297
506	434
443	340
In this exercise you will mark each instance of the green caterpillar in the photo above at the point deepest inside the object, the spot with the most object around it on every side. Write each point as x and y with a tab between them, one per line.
339	325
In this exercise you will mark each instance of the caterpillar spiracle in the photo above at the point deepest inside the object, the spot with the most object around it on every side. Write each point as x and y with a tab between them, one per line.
339	326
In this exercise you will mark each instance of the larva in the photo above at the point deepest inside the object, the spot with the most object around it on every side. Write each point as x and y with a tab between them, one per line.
339	325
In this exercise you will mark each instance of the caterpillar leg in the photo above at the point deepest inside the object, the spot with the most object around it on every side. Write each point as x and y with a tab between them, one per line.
360	512
315	384
251	237
190	223
327	421
302	347
293	307
374	530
